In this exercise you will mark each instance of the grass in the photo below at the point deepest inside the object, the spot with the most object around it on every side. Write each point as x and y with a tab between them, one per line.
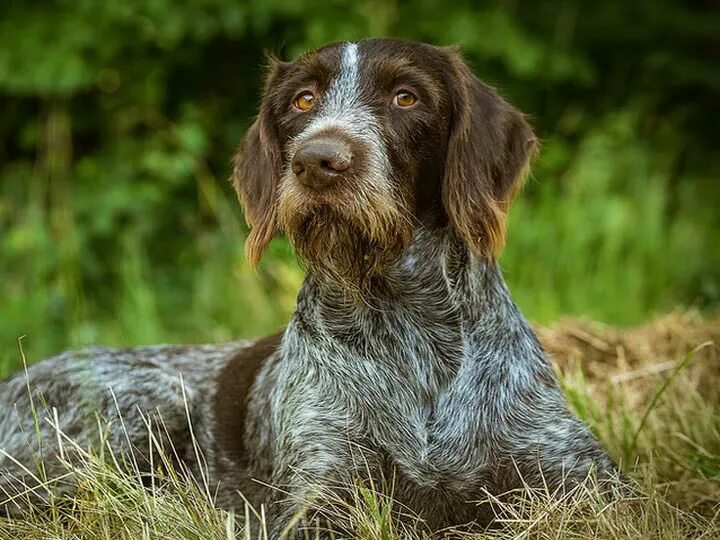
651	394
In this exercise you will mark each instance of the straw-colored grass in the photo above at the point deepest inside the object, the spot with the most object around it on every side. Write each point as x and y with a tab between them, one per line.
652	394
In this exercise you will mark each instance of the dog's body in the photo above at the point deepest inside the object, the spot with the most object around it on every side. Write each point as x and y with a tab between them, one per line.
406	359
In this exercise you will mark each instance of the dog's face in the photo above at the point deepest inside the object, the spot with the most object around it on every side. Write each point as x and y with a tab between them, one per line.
358	144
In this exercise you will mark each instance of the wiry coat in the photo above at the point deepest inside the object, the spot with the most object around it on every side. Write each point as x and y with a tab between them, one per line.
406	358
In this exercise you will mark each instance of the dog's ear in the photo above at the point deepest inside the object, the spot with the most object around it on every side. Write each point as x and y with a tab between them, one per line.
490	147
257	168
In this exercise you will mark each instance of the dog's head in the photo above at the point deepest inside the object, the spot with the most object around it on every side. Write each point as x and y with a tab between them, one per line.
358	144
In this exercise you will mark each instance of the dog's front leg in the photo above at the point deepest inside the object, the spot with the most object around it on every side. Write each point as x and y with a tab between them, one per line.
515	419
309	484
313	472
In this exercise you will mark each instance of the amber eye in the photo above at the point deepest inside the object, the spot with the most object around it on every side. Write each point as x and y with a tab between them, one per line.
405	99
304	101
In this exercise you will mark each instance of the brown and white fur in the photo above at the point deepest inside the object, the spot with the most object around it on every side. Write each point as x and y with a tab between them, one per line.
390	167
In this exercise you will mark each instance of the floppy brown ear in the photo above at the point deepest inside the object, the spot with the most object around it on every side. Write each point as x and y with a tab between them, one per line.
256	171
489	152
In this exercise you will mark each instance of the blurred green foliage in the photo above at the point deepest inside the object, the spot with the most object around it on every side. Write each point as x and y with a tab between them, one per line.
118	120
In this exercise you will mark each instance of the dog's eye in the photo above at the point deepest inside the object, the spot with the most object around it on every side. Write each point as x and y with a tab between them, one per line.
304	101
405	99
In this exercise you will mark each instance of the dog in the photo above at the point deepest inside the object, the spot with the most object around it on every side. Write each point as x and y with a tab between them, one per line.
390	167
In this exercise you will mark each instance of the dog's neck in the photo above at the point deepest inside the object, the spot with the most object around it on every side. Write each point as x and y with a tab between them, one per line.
438	285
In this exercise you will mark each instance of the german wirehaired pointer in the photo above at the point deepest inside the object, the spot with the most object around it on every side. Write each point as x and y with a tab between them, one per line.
390	167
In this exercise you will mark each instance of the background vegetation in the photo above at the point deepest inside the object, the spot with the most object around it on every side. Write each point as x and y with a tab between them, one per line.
118	120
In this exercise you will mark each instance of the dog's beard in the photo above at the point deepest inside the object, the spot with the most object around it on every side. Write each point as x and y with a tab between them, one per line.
350	243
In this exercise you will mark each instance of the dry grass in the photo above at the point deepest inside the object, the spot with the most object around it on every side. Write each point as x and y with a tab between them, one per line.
652	394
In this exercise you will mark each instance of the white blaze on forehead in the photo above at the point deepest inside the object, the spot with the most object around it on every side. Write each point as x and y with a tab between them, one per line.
344	89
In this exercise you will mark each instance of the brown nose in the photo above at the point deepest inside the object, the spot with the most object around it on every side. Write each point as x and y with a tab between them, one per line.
321	162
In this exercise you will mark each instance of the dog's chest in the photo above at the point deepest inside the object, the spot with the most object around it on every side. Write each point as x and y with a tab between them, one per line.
414	366
399	369
384	376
